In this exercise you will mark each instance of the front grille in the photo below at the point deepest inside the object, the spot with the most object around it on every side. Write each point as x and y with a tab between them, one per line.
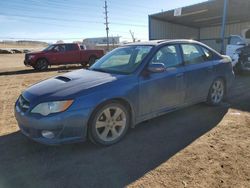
23	104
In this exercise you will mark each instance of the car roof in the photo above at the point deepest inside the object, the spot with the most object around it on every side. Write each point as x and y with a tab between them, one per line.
171	41
163	41
64	43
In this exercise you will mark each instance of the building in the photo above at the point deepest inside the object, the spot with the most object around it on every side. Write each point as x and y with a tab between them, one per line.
93	42
202	22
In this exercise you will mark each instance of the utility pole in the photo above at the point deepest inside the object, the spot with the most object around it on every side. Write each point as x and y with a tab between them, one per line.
113	42
224	20
106	23
132	35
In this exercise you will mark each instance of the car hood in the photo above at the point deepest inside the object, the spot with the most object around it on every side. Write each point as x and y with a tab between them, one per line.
35	53
68	85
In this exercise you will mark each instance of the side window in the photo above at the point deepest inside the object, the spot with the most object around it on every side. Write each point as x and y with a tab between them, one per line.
168	55
71	47
142	52
56	48
59	48
208	55
192	54
234	40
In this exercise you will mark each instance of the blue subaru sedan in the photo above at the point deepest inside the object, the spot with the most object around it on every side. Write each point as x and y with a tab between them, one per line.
129	85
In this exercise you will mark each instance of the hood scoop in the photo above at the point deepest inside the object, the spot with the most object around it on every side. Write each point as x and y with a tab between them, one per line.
63	78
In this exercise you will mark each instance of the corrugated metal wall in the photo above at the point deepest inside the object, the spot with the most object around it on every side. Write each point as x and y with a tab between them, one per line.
231	29
165	30
214	32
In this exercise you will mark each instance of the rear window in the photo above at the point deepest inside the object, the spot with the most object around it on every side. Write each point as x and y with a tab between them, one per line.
71	47
192	54
210	55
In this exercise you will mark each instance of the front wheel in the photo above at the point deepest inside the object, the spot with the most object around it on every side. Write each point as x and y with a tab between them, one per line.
216	92
109	124
41	65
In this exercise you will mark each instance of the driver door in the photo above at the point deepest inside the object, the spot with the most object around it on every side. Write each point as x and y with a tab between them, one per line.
160	92
57	55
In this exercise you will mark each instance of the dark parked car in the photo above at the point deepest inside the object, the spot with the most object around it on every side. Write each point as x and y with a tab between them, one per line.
16	51
243	63
26	51
2	51
129	85
61	54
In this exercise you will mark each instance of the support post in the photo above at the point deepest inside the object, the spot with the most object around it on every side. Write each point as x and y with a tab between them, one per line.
223	27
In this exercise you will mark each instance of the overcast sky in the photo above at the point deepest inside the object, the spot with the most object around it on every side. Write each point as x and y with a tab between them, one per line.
52	20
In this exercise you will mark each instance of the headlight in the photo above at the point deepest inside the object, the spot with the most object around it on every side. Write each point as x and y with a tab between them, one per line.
51	107
31	57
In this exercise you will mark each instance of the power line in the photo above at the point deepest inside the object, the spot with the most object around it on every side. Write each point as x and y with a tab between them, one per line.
29	9
62	7
70	20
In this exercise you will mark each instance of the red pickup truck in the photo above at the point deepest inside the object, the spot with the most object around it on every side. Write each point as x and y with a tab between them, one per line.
60	54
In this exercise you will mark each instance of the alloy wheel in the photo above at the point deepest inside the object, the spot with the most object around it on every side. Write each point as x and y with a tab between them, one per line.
111	123
217	92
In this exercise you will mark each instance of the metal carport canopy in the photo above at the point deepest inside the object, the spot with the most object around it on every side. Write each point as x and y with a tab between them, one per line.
208	14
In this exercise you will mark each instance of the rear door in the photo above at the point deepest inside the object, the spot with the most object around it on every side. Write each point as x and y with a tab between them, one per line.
72	53
199	72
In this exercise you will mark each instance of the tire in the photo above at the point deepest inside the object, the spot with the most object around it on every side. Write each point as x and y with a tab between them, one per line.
92	60
216	92
84	64
238	68
41	65
108	124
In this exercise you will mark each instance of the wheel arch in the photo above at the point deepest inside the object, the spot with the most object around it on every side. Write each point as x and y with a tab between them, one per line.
120	100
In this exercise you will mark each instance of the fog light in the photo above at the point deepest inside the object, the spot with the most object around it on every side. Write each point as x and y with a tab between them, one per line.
48	134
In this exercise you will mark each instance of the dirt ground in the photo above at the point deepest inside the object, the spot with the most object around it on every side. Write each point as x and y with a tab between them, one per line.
11	61
199	146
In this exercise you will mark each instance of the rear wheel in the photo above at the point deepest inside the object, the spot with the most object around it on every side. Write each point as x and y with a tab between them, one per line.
109	124
216	92
242	67
41	64
92	60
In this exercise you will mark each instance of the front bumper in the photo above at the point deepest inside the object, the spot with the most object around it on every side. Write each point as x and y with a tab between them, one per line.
67	127
27	63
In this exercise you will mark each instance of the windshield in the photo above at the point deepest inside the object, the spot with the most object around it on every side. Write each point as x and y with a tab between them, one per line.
122	60
49	48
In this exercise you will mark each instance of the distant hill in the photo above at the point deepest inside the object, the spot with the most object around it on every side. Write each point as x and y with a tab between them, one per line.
22	44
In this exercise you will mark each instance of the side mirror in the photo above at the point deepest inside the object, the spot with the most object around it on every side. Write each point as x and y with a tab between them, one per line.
156	68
